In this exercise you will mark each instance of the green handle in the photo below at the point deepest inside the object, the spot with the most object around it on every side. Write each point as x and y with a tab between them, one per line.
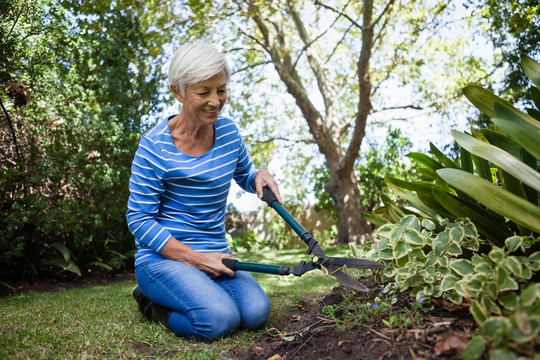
253	267
271	200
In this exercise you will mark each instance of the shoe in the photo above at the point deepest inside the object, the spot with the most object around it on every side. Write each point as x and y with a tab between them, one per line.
161	315
145	305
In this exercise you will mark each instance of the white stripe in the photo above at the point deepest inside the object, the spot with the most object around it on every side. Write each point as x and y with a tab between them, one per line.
146	233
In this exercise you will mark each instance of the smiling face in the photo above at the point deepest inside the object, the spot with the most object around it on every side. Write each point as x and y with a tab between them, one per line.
203	101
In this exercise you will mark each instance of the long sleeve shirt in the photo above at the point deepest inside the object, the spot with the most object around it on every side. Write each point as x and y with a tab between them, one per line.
176	195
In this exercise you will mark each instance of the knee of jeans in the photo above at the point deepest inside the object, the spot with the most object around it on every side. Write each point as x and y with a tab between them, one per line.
255	313
222	323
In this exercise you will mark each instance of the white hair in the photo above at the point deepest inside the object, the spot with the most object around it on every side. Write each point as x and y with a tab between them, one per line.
196	62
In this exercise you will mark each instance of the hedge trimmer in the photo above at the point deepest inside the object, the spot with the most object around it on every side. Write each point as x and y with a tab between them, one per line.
318	260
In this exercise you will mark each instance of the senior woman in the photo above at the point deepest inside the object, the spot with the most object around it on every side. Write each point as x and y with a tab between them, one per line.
180	179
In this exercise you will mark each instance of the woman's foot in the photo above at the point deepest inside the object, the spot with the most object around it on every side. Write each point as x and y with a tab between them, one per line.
145	305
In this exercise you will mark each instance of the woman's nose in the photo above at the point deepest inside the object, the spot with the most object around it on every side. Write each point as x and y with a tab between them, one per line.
214	99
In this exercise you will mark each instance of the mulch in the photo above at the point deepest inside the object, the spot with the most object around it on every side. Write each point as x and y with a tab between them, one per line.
442	334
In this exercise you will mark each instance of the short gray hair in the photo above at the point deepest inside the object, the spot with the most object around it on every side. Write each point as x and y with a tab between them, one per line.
196	62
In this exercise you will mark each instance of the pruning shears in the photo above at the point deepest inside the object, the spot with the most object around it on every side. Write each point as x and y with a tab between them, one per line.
318	259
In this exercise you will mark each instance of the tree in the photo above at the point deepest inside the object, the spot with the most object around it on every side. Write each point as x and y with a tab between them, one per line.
323	54
76	87
515	29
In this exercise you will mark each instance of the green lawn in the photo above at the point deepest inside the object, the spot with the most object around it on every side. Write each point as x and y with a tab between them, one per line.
103	322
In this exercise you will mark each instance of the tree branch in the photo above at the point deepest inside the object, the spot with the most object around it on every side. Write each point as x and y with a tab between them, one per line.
317	2
364	101
11	129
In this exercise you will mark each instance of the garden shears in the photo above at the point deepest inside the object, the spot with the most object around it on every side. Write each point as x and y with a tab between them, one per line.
318	259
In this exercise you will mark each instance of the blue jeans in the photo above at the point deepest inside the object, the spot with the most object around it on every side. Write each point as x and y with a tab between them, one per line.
203	308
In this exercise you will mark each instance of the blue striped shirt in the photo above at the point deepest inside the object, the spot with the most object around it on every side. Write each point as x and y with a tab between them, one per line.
176	195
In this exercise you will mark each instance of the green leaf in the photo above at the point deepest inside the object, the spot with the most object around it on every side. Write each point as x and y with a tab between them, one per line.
475	348
413	237
484	100
410	221
445	160
101	264
531	69
386	254
411	199
479	313
428	224
503	142
462	267
396	234
443	261
499	200
64	250
486	223
504	281
425	160
490	306
496	255
521	132
501	354
528	296
495	326
514	265
401	249
374	218
454	249
456	234
482	167
512	243
466	161
448	282
509	301
453	297
500	158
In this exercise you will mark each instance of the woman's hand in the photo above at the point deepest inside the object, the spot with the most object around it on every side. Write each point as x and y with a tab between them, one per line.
264	178
211	263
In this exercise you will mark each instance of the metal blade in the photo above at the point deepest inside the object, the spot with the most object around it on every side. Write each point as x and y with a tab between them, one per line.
352	263
349	281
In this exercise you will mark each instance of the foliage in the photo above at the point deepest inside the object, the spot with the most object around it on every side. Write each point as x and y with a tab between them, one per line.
75	91
448	264
494	184
515	29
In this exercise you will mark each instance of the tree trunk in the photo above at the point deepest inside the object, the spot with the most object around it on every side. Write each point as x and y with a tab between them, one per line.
345	190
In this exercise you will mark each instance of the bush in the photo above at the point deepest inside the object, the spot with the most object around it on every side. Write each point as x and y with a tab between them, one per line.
471	235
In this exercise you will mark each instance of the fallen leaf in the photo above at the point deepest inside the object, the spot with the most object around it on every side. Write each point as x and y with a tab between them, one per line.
451	345
295	318
275	357
257	350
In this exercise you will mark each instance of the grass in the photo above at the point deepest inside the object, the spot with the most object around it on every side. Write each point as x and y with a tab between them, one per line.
102	322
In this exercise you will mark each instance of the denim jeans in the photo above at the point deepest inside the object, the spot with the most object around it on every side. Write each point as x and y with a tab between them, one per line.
203	308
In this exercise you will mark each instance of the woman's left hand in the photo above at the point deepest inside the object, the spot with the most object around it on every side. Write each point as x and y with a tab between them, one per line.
264	178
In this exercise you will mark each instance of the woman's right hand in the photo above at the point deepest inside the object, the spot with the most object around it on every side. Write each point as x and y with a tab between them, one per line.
211	263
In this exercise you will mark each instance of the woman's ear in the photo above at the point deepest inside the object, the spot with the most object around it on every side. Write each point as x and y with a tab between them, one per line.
176	93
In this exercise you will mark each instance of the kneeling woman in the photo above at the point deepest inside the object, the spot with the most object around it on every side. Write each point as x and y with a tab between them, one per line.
180	179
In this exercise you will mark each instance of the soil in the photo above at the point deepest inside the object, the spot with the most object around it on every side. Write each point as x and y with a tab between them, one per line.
441	333
305	333
55	285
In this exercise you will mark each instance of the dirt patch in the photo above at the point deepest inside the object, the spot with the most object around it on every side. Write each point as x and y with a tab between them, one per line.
53	285
308	333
